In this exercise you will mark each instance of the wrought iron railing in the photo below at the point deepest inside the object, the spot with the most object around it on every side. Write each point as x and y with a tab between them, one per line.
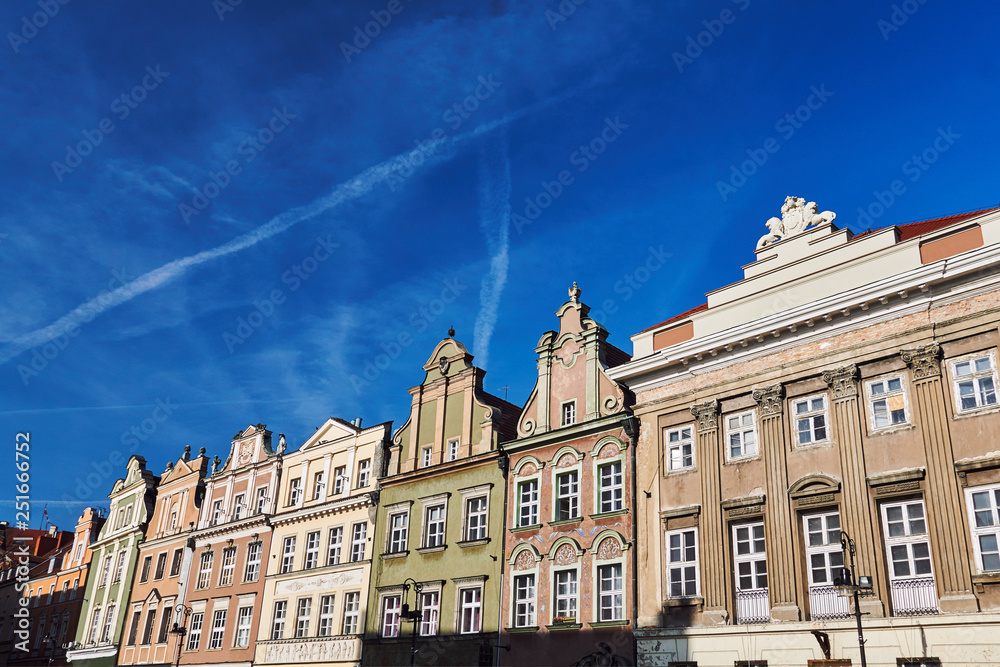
753	606
913	597
826	604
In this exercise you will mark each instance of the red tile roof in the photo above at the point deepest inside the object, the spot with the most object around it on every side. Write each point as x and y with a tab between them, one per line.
686	313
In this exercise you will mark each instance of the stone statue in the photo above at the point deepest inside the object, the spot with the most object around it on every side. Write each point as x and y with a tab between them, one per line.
281	443
796	217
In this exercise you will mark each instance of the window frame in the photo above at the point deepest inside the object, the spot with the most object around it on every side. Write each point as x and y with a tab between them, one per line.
327	605
397	537
681	565
294	492
617	501
334	557
279	617
885	395
430	614
810	415
567	413
992	492
206	564
389	617
255	551
975	377
908	540
525	608
451	449
476	605
618	610
574	497
428	523
311	552
558	598
364	473
303	617
217	633
287	562
352	612
339	477
240	617
828	549
227	569
176	562
194	631
678	445
752	557
742	430
357	541
426	456
535	503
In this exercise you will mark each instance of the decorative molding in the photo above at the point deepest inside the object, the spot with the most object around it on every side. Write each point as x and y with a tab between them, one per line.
680	512
746	501
924	361
843	381
749	510
821	499
707	414
796	217
899	487
910	474
771	399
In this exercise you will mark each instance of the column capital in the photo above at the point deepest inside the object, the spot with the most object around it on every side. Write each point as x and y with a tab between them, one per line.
770	399
924	361
707	414
843	381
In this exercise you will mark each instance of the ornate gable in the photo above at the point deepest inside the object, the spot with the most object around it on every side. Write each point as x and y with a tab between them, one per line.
249	446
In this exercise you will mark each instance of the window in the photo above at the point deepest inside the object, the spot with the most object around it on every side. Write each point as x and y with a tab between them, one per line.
278	622
76	587
228	566
430	613
524	601
568	495
147	564
612	592
244	619
475	518
261	503
128	515
911	579
133	631
358	534
750	562
194	632
205	571
453	449
390	616
569	413
95	623
161	636
105	572
610	480
810	419
352	606
398	524
295	491
339	477
147	632
288	554
470	610
823	551
682	562
312	550
566	596
173	520
252	570
161	566
742	435
527	493
218	629
63	591
217	512
975	383
175	563
434	526
680	448
364	472
120	567
319	485
238	507
425	456
984	515
887	403
325	616
336	539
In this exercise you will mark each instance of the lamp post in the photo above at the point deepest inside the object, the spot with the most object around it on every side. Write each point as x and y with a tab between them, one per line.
180	629
846	587
414	615
50	644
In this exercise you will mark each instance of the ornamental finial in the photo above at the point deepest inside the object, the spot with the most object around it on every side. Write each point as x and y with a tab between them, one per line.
574	293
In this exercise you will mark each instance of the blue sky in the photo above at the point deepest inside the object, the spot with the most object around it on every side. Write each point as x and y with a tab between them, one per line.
173	170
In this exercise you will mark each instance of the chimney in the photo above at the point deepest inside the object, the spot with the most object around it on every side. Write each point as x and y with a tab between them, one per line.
356	422
52	531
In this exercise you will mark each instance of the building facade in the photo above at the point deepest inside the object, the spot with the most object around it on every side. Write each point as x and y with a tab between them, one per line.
439	533
316	591
569	588
164	565
112	568
845	388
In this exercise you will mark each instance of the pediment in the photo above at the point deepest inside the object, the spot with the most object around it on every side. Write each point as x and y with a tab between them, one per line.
333	429
814	484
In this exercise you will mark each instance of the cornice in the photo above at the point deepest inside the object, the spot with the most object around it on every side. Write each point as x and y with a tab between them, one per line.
565	433
328	508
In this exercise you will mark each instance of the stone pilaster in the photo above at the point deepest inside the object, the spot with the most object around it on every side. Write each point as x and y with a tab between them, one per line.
856	510
781	570
945	511
716	582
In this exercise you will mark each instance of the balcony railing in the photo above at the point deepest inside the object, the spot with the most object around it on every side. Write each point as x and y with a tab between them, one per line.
913	597
825	604
753	606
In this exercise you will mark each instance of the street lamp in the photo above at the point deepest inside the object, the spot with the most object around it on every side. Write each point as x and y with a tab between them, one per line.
846	587
180	629
50	644
414	615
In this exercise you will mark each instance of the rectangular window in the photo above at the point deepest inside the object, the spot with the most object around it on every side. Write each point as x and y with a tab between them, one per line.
568	495
434	526
105	572
217	514
352	607
218	629
288	554
336	540
475	518
133	631
682	562
390	616
612	592
319	485
95	625
295	491
228	566
911	578
741	434
147	631
194	632
524	601
339	477
527	512
398	526
975	383
680	448
810	419
359	533
251	571
984	517
244	619
161	636
302	617
430	613
325	616
63	591
425	456
278	622
175	563
569	413
887	403
238	507
120	567
610	480
453	449
147	564
364	472
470	610
205	571
566	596
824	561
312	550
260	505
750	562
